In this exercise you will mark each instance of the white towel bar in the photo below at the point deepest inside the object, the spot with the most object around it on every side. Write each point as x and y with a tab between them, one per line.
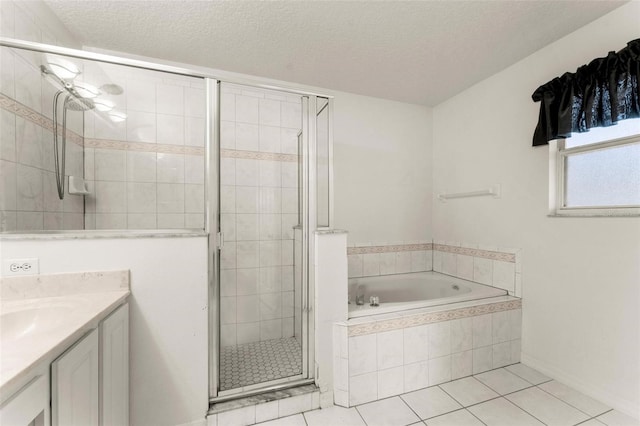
494	191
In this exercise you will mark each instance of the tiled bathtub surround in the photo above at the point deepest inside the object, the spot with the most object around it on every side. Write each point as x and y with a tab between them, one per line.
497	267
381	356
259	210
386	259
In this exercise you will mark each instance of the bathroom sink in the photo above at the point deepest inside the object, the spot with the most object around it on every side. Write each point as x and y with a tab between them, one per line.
21	323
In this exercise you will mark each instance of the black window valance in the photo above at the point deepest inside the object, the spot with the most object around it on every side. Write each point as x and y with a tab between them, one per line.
597	95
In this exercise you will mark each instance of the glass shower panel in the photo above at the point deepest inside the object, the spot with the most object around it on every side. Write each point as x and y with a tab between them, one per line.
259	215
322	159
92	145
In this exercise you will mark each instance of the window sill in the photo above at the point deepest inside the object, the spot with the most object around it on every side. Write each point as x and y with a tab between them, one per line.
632	212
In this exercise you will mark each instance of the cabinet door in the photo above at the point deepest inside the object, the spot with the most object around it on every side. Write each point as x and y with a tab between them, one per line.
114	340
30	406
74	384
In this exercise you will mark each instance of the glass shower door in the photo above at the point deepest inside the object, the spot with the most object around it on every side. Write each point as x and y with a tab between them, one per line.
261	336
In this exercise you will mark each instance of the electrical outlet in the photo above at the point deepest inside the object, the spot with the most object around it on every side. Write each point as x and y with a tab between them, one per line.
20	266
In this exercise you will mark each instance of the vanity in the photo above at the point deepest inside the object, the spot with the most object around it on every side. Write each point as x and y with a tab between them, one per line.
64	349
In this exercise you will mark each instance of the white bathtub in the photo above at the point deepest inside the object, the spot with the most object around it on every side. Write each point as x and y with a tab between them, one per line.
411	291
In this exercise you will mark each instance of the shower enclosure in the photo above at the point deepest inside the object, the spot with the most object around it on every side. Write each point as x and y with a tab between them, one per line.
267	214
95	143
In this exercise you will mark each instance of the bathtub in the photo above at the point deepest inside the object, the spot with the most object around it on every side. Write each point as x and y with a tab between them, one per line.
412	291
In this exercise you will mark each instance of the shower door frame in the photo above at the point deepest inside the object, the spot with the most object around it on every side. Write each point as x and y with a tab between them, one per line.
308	216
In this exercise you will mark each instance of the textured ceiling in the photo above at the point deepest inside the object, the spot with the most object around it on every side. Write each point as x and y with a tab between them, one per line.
420	52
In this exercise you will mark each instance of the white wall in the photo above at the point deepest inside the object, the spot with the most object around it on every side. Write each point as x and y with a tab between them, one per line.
581	276
382	169
168	317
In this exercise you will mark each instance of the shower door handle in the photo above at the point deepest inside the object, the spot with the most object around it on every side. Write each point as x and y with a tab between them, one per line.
220	238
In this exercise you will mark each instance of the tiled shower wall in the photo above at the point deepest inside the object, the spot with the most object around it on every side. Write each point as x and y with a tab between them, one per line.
259	210
28	194
146	172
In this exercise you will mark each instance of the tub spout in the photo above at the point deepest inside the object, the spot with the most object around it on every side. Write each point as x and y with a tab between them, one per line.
359	296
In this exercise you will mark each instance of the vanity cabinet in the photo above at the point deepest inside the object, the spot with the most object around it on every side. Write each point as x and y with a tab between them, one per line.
64	349
90	381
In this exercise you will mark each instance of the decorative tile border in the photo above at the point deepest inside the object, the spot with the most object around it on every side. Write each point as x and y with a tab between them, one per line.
486	254
389	249
255	155
23	111
143	147
432	317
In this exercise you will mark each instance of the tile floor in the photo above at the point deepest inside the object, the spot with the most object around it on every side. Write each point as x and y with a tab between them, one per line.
512	396
258	362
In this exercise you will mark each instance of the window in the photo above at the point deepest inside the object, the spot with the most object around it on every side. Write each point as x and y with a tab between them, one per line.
597	173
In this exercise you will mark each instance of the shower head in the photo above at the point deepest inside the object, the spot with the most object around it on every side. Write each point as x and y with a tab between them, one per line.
112	89
79	104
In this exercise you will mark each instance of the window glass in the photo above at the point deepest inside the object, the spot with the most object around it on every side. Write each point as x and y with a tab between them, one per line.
604	177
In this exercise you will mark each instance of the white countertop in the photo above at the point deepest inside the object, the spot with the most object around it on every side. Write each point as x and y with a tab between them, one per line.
36	329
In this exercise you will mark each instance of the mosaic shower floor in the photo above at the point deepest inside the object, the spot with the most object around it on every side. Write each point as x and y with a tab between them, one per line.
259	362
